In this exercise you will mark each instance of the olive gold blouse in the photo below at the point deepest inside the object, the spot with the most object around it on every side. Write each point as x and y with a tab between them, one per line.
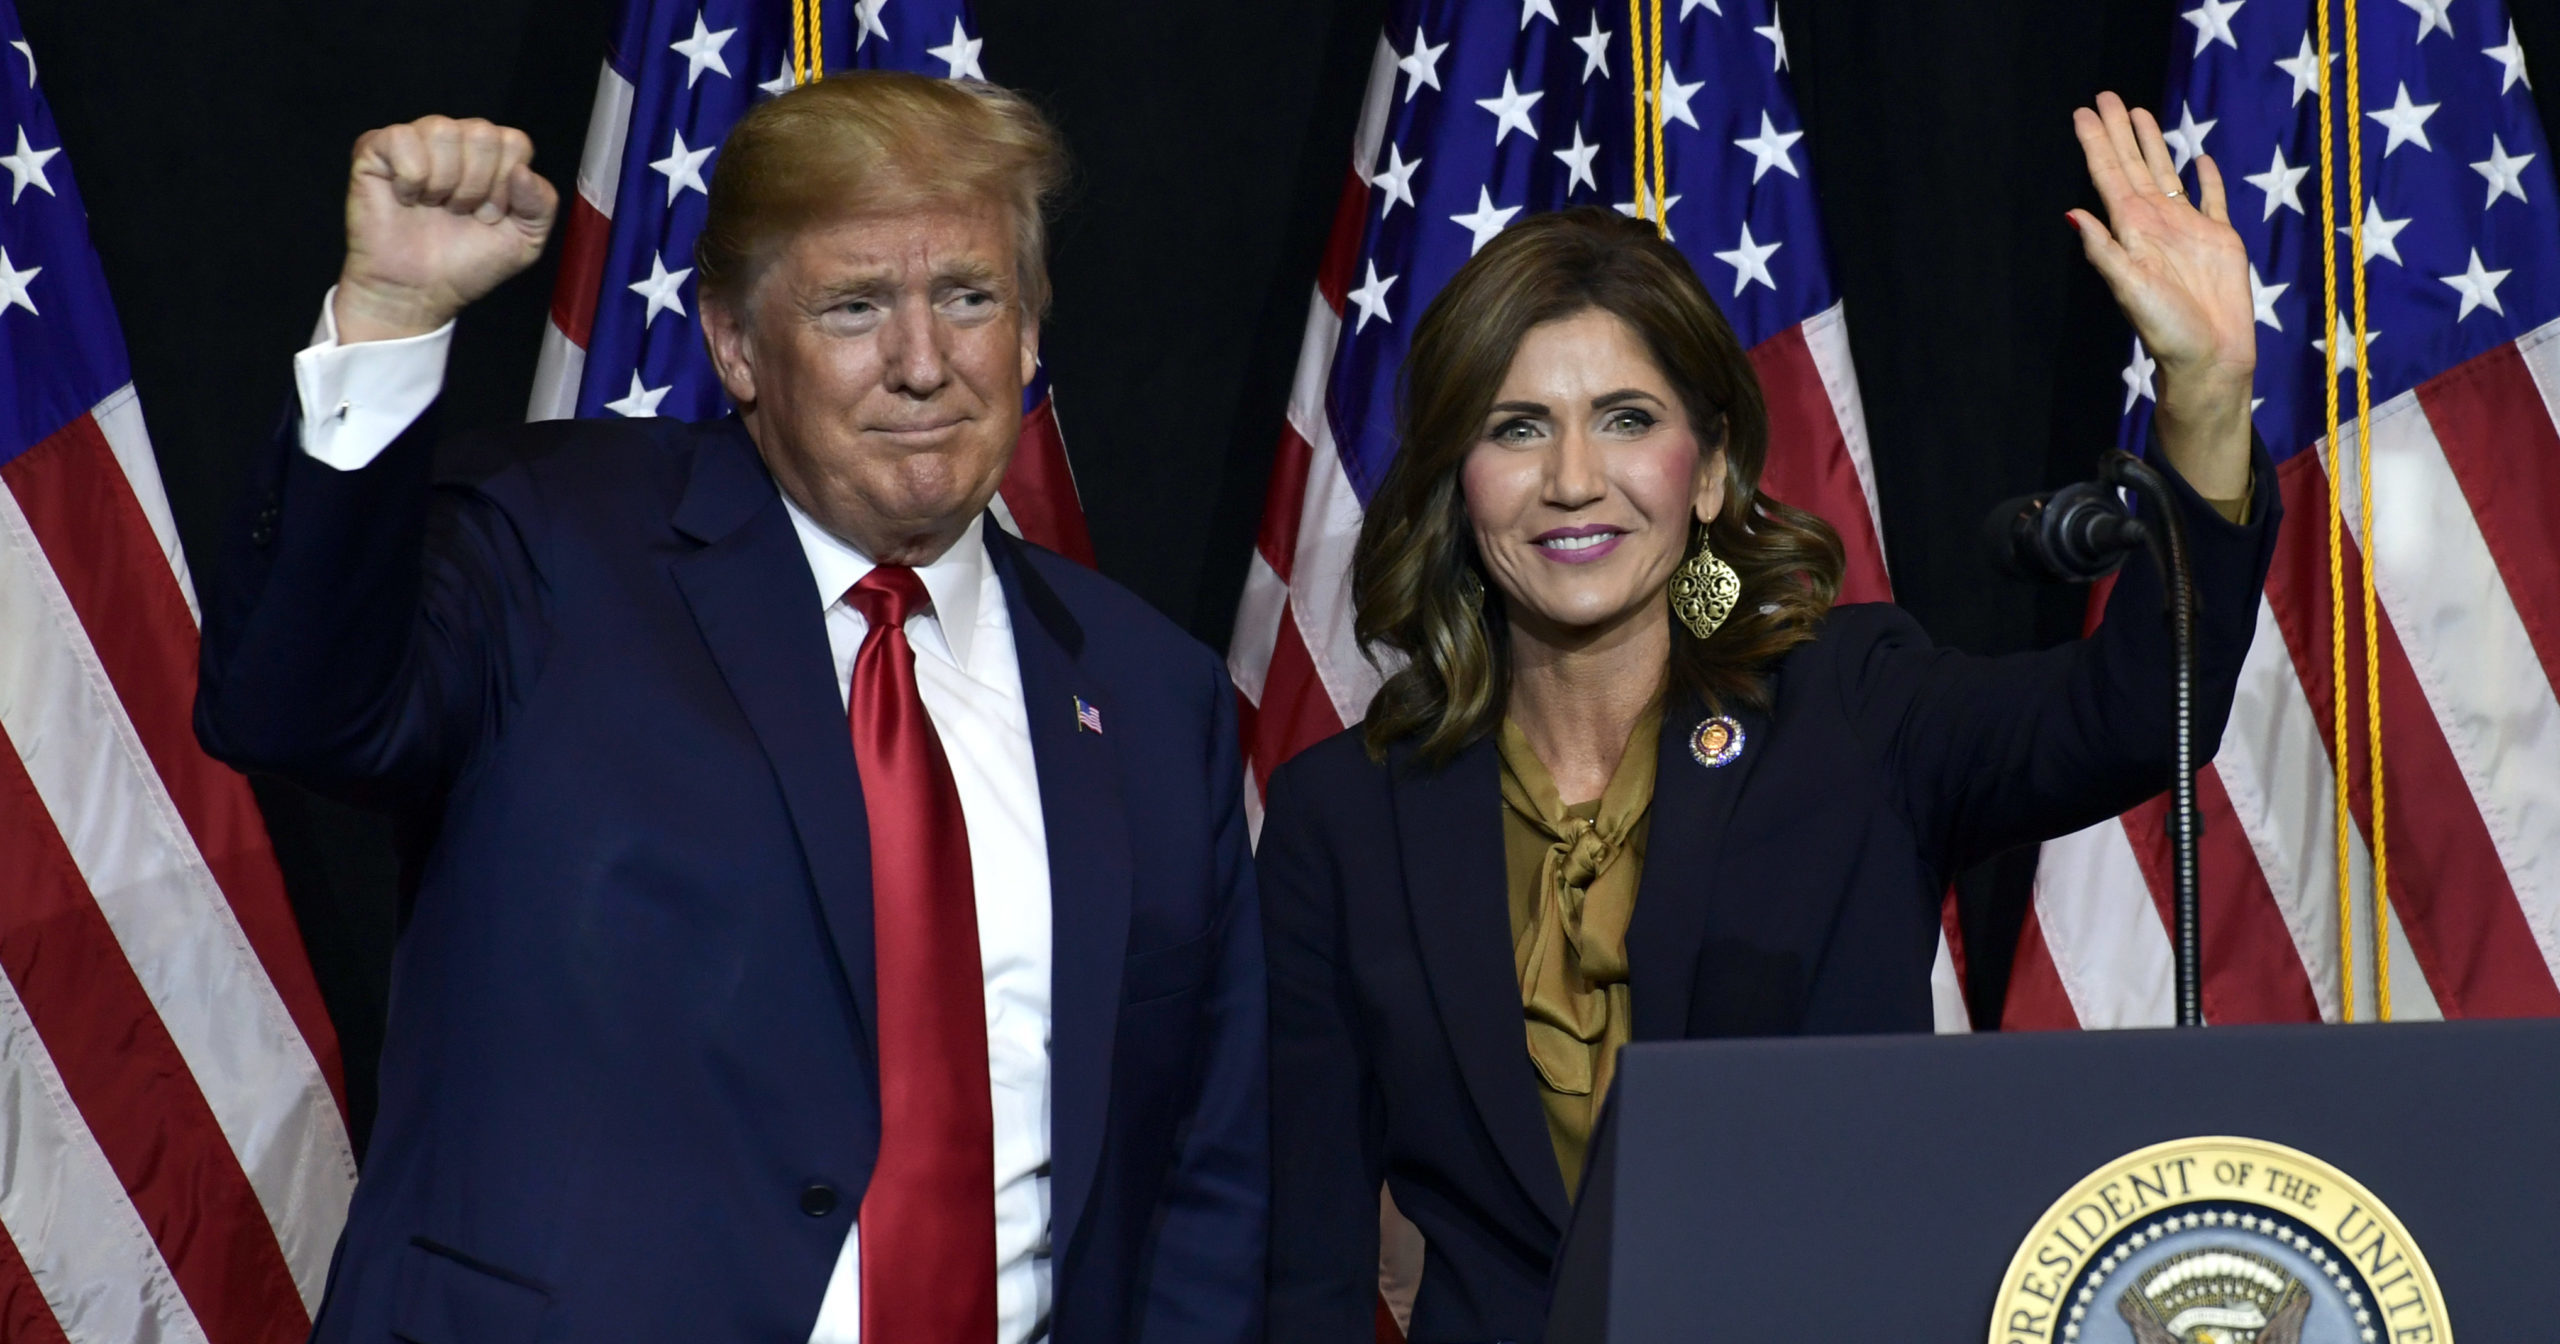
1571	871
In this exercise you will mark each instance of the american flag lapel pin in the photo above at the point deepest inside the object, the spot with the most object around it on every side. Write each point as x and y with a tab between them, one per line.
1088	718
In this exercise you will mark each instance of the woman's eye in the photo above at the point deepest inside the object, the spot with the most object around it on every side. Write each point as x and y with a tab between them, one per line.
1629	421
1514	431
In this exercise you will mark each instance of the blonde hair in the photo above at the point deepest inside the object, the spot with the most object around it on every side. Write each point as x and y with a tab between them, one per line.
1417	585
873	140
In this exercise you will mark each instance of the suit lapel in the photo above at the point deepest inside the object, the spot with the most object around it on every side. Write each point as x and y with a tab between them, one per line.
751	595
1692	805
1085	821
1449	836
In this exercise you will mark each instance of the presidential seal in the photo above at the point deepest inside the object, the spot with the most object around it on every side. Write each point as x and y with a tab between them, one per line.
2219	1241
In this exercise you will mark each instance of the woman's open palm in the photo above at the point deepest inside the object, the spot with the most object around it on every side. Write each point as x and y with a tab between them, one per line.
2178	270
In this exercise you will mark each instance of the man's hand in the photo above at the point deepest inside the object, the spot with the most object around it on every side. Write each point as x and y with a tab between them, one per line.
439	212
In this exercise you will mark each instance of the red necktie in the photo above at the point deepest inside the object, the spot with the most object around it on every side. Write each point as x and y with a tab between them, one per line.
928	1221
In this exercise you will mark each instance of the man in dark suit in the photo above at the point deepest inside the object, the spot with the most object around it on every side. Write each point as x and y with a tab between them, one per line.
841	924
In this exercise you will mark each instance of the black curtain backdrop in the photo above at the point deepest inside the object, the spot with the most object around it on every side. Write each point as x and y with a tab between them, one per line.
1210	142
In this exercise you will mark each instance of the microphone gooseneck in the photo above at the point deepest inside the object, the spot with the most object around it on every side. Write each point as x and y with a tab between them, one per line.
2081	533
2186	819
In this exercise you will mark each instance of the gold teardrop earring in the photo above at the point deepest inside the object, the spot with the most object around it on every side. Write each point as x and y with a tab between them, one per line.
1704	589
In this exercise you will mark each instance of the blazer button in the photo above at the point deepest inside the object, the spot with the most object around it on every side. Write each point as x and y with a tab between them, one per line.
817	1199
262	536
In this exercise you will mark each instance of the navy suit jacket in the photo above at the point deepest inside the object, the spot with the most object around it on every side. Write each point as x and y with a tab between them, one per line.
628	1081
1794	890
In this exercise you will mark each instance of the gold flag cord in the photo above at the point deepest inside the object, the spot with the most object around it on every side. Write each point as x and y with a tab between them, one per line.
808	43
1645	60
2342	820
1635	73
2364	492
2340	701
1652	124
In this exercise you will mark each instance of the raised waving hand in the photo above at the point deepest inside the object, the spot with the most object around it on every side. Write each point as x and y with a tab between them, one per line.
2181	275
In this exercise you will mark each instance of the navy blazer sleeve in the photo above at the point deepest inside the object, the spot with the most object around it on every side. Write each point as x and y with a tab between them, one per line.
1326	1171
365	628
1206	1281
1988	753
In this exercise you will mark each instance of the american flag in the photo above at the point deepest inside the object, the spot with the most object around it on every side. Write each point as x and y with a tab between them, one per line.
624	337
174	1162
2461	254
1479	112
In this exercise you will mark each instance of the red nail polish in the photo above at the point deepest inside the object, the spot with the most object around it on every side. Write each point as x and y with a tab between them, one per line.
2072	220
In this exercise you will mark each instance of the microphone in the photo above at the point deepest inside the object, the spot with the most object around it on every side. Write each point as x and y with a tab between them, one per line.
2079	533
2076	534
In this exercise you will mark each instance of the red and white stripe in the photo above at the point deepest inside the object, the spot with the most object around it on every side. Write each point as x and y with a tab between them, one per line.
1037	499
1299	672
2466	485
174	1161
584	231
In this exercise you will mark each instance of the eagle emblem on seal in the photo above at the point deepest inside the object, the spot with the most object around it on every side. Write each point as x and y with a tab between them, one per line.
2216	1297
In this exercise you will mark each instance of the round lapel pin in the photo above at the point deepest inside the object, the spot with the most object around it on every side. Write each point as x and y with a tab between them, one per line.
1717	741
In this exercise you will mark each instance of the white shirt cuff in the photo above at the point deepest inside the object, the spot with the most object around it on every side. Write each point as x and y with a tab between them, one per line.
357	398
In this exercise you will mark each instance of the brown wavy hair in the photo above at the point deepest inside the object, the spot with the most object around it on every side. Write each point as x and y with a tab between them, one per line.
1417	583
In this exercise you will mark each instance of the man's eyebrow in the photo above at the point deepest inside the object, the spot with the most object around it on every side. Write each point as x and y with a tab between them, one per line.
851	286
968	271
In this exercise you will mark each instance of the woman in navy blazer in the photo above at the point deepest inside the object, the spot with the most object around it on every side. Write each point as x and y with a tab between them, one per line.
1593	602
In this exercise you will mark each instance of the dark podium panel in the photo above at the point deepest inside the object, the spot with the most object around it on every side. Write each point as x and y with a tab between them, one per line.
1875	1188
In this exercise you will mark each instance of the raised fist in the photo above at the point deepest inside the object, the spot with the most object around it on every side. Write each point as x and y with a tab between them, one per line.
439	212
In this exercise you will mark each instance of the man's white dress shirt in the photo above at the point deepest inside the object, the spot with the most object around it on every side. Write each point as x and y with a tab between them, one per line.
357	398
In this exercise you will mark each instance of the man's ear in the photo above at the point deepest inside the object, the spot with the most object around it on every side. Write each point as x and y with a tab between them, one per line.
726	337
1030	351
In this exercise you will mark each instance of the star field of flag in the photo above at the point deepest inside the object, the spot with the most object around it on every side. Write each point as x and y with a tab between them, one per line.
2461	228
1504	108
60	348
694	69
